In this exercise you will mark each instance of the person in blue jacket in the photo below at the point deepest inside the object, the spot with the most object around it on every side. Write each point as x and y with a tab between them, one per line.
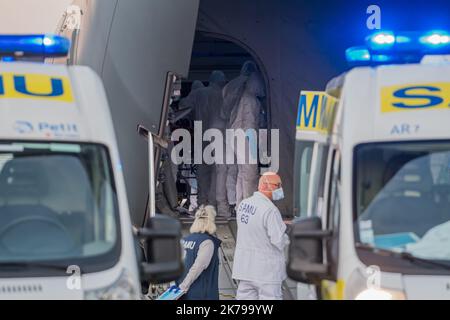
200	280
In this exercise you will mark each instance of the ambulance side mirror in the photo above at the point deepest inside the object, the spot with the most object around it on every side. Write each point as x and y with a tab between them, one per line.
305	259
162	246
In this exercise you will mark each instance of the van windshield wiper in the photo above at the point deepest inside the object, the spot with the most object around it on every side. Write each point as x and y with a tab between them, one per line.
32	264
412	258
405	256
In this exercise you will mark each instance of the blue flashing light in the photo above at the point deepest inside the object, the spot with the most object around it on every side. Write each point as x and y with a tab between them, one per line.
7	59
34	45
436	39
357	54
381	40
381	58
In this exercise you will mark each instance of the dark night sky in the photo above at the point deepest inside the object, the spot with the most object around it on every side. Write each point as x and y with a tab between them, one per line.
342	24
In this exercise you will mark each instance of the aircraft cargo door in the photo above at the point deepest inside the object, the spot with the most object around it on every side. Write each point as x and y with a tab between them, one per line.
133	45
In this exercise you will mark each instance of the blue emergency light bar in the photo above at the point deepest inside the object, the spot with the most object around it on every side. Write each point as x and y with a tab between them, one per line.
361	56
427	42
33	46
387	47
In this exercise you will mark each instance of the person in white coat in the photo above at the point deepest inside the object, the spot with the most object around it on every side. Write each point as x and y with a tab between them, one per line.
259	259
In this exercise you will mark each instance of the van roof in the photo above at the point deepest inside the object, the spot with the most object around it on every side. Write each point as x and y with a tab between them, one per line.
397	102
53	103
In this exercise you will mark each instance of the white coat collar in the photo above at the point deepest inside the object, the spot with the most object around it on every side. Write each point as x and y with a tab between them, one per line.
263	196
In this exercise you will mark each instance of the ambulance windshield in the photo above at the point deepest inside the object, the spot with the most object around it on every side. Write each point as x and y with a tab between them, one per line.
58	205
403	197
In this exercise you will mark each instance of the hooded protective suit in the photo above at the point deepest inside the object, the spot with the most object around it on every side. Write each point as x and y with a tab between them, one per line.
219	175
206	104
197	84
247	117
193	98
232	94
234	90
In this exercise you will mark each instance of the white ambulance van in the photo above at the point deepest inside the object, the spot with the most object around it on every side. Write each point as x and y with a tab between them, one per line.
378	225
316	113
65	230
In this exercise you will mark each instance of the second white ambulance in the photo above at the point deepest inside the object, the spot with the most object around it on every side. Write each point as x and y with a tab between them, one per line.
379	226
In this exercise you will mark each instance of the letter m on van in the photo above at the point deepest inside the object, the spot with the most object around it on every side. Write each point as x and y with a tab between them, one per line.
308	105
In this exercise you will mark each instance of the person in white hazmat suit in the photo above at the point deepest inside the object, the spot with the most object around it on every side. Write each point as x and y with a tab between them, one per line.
197	84
259	259
187	103
246	118
232	94
219	173
206	104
